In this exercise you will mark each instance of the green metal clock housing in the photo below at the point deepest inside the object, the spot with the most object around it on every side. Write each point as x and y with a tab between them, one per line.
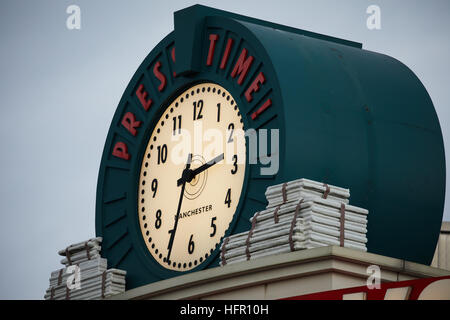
347	117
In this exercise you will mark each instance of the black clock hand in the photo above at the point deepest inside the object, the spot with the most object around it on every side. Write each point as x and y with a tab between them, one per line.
208	165
172	232
189	174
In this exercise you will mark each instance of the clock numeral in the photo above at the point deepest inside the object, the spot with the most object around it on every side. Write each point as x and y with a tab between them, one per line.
231	128
174	119
154	186
191	245
198	104
162	154
158	219
228	198
218	112
235	169
212	234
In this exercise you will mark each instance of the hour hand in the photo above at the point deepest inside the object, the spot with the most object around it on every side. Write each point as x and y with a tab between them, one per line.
189	174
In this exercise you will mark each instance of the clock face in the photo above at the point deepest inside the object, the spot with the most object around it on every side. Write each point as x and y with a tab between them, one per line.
192	176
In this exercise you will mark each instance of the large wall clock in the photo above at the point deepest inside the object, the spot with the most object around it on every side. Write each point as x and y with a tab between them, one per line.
343	116
209	186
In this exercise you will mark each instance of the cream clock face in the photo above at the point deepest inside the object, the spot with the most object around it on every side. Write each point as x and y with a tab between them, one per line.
191	177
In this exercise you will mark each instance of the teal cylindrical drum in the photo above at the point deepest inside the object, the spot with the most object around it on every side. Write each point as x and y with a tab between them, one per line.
362	119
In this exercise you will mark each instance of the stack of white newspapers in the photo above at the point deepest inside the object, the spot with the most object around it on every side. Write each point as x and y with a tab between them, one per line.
300	214
85	276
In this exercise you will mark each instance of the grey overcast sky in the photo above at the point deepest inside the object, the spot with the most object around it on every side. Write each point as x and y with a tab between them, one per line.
60	87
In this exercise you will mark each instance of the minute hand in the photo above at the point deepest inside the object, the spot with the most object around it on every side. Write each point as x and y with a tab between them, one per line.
174	230
193	173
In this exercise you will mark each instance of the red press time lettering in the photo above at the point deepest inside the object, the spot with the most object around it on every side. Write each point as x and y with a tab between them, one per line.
254	87
226	54
212	46
173	59
121	151
263	108
242	66
158	74
130	123
142	96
